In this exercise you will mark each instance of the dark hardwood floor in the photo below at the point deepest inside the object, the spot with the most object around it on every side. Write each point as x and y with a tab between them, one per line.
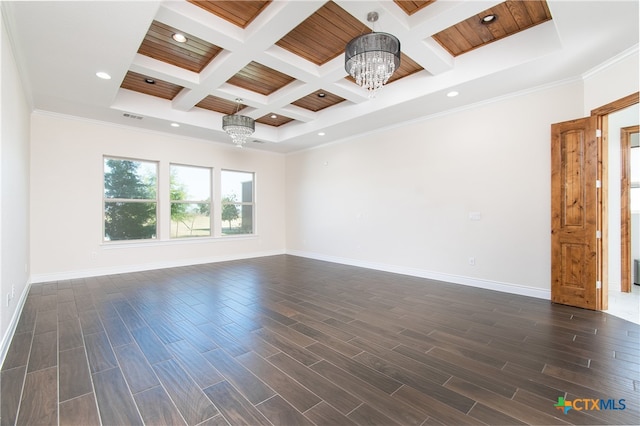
285	340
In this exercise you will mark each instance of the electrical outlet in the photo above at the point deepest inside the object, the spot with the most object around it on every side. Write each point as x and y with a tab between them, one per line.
8	299
472	261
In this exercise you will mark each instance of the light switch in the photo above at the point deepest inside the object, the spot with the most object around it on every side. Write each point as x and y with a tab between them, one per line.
475	216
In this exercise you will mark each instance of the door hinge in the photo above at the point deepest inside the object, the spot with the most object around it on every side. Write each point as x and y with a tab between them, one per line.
598	234
598	133
598	183
598	284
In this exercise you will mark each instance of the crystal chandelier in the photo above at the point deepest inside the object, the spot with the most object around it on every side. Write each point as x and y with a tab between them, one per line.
372	58
239	127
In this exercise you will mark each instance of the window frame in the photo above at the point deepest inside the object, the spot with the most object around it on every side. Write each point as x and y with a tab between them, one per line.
252	203
210	202
106	200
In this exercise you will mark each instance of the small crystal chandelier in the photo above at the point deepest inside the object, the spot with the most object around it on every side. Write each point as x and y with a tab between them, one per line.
239	127
372	58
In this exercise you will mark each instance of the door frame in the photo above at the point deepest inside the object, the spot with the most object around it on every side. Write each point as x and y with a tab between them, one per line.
602	122
625	208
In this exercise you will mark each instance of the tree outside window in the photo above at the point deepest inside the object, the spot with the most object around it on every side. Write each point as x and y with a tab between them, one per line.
130	199
190	193
237	211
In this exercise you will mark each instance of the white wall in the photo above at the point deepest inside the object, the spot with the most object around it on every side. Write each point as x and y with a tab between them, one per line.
66	189
14	190
612	81
400	199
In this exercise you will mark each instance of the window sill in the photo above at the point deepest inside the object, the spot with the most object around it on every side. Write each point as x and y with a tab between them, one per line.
176	241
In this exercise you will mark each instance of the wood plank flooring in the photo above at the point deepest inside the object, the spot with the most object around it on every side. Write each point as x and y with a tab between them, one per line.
285	340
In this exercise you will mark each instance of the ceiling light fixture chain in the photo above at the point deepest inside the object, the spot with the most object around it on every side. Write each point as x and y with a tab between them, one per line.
372	58
239	127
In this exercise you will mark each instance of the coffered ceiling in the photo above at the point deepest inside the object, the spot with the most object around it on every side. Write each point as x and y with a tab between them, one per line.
285	60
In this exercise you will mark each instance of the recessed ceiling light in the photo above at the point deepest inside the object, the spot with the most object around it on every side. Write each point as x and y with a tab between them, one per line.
322	95
180	38
273	116
321	133
487	19
175	125
452	94
103	75
149	81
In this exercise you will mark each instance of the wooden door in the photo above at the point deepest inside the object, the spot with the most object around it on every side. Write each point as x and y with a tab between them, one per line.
574	214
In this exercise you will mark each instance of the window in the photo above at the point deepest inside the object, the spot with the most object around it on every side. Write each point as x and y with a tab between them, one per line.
130	199
237	202
190	201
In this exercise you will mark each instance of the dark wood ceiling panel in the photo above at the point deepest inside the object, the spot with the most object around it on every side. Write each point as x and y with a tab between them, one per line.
193	55
512	17
318	100
223	106
240	13
323	35
538	10
453	41
411	7
276	121
143	84
259	78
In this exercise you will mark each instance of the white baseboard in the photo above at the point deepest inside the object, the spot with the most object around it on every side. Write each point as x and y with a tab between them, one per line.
112	270
13	323
432	275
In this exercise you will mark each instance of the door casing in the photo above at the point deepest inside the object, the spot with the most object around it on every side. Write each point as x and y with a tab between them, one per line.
625	208
602	121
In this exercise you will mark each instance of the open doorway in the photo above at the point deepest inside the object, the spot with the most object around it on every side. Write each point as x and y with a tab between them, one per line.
623	213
